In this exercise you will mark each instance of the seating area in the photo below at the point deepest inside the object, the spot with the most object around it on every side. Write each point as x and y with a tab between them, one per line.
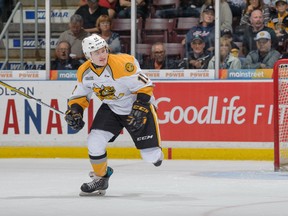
157	30
162	4
147	32
174	51
182	26
60	10
168	31
123	28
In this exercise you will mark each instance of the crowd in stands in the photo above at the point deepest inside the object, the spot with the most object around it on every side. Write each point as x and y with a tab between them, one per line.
63	58
74	35
254	33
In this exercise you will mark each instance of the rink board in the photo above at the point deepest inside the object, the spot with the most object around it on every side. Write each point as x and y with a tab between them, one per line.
229	115
133	153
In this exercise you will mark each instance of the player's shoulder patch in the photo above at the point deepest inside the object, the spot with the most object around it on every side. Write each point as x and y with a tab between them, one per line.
129	67
122	65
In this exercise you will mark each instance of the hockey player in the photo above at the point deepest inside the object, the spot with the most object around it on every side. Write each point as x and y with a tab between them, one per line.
128	101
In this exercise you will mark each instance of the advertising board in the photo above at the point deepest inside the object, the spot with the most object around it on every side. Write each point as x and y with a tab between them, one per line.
192	111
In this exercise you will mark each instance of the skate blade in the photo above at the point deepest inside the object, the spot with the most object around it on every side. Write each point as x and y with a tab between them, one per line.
95	193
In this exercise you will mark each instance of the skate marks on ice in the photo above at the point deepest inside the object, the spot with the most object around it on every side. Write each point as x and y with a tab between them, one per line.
269	208
259	175
141	196
43	197
201	188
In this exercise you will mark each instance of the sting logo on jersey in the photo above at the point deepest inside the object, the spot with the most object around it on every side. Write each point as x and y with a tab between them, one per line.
129	67
106	92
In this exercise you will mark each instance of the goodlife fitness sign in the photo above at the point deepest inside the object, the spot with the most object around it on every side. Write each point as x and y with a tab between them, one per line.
216	111
188	111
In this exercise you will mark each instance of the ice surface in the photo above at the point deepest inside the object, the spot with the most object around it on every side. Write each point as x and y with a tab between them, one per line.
48	187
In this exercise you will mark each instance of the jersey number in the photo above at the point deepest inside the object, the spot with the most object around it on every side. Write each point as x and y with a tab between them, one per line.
143	78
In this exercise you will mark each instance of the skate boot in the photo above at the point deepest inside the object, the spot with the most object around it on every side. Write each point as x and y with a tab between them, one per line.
98	186
159	162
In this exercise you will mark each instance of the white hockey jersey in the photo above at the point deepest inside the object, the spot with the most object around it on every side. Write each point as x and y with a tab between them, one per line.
116	84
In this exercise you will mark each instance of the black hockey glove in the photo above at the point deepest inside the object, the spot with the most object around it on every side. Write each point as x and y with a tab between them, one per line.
74	119
137	118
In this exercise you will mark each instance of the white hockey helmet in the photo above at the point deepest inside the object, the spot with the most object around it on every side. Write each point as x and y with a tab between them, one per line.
92	43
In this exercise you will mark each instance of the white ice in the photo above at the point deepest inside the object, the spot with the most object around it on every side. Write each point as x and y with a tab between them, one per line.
48	187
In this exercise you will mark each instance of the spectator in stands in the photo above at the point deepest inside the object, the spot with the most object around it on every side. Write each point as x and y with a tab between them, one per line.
123	8
264	56
237	6
82	2
198	58
74	35
63	61
187	8
226	17
91	12
159	59
227	60
257	25
110	4
272	6
206	29
270	3
229	36
112	38
285	27
284	53
250	7
276	22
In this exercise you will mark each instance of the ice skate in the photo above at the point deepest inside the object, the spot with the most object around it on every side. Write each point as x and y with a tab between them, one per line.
159	162
98	186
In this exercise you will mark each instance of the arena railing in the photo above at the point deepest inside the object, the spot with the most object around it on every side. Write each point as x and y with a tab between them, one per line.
5	33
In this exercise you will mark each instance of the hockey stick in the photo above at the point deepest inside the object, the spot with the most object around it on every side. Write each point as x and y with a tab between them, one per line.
30	97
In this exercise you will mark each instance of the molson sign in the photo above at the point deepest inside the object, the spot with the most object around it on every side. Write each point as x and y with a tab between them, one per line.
188	111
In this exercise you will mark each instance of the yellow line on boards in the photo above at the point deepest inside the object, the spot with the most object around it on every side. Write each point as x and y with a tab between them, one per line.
133	153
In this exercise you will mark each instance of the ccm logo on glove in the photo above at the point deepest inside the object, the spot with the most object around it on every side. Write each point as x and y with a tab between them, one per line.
137	118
